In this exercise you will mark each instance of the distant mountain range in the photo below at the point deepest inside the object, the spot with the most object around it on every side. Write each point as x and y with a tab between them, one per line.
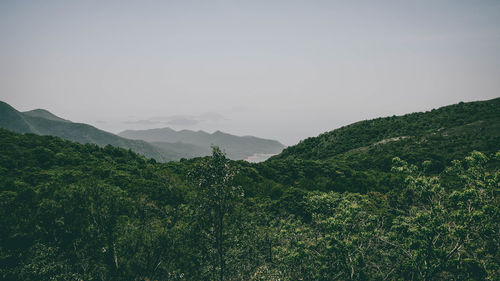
166	146
42	122
236	147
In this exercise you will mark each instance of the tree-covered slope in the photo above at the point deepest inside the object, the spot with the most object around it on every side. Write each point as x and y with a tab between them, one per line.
409	207
82	212
61	204
43	122
358	157
417	126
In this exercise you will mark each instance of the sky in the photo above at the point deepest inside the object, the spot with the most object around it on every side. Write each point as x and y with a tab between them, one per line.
285	70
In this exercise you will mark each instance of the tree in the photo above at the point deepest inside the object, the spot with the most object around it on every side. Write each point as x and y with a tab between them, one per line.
448	234
216	197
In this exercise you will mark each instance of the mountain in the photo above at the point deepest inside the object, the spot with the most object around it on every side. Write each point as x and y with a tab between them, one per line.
316	212
42	122
359	157
161	144
183	150
42	113
445	122
236	147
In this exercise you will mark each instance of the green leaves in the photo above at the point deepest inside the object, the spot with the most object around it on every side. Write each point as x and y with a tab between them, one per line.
92	213
215	199
445	231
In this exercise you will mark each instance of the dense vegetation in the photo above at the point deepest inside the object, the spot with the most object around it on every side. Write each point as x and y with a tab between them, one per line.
445	122
416	208
358	157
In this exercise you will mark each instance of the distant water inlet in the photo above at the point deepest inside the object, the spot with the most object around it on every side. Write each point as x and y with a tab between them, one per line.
259	157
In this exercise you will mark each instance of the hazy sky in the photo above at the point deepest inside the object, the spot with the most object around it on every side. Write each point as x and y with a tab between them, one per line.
277	69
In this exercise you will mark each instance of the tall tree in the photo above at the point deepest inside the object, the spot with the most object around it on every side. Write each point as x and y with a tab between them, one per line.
216	197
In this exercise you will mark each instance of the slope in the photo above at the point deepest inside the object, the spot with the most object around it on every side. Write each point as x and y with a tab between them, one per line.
42	113
42	122
81	212
369	132
358	157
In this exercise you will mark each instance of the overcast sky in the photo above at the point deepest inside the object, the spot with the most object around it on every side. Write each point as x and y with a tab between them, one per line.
285	70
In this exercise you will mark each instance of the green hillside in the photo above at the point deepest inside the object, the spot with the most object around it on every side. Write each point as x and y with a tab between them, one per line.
358	157
419	126
422	207
82	212
42	122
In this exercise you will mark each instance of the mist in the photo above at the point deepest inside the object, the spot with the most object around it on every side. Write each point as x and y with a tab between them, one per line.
285	70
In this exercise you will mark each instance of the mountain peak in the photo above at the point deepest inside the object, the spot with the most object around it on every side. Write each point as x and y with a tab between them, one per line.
42	113
5	106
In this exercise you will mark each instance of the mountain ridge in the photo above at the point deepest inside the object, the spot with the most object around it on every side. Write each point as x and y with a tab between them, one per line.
367	132
236	147
187	144
44	114
35	122
358	157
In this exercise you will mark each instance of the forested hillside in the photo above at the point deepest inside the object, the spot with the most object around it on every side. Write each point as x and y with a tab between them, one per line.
42	122
424	207
445	123
358	157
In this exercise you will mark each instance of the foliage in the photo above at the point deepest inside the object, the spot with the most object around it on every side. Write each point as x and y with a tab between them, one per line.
215	200
82	212
358	157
